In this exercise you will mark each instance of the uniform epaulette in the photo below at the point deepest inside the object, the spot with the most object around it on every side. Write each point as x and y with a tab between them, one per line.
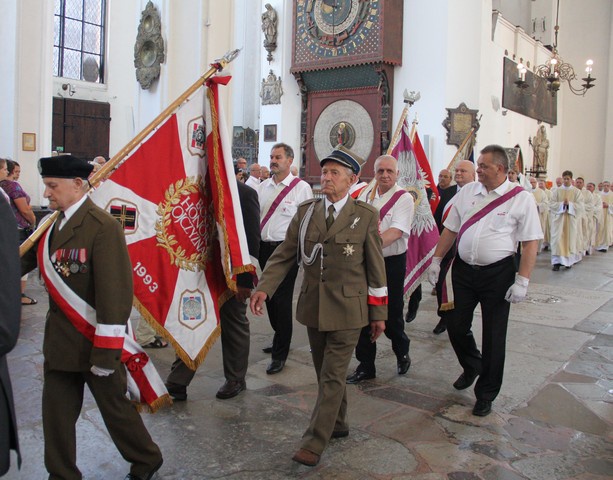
99	214
363	204
309	201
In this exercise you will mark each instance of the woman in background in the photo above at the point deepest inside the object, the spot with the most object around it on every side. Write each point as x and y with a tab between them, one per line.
26	220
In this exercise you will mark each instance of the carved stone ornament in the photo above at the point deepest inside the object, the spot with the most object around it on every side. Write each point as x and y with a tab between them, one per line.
459	123
149	47
271	90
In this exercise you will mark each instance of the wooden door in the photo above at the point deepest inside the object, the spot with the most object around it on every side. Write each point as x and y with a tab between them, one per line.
81	127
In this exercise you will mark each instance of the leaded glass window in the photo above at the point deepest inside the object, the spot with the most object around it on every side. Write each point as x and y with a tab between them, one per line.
78	45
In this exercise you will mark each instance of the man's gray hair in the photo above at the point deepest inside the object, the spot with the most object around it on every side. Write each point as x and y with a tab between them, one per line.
499	155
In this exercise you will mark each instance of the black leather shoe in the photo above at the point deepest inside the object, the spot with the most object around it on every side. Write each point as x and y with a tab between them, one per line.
410	317
231	389
482	408
464	381
149	476
403	364
441	326
275	367
267	349
177	392
358	376
556	267
340	433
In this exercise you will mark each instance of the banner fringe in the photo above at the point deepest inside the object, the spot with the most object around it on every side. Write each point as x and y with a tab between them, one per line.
182	354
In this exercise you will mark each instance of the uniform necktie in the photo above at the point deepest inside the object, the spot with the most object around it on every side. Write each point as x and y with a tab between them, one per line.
330	217
58	222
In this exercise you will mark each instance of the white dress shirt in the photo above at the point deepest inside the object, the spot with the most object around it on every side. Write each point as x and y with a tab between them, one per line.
495	236
253	182
399	216
70	211
278	223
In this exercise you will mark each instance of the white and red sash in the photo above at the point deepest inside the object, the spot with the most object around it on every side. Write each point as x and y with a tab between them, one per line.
390	203
145	387
478	213
277	201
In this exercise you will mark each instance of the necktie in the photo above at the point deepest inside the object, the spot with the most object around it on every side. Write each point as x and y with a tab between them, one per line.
330	217
58	223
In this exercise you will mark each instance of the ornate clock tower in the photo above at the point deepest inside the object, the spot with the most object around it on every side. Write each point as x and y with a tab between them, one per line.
343	57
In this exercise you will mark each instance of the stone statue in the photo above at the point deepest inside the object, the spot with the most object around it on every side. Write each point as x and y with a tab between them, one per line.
269	27
540	149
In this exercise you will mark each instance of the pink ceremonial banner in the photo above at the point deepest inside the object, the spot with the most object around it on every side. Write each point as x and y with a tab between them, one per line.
424	233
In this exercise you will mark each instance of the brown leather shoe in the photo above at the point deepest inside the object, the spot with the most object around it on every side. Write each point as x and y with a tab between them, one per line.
231	389
306	457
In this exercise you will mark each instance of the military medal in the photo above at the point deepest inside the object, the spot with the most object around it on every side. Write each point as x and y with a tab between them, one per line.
82	259
74	267
348	249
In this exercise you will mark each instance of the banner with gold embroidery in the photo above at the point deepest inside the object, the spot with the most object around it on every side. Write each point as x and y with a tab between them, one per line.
177	199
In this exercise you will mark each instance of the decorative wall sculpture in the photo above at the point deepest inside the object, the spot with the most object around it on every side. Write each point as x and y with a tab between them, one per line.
149	47
271	90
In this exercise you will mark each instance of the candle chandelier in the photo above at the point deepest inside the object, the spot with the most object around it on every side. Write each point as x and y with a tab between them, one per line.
556	71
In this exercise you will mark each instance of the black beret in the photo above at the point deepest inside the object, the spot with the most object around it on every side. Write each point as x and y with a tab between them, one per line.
345	157
64	166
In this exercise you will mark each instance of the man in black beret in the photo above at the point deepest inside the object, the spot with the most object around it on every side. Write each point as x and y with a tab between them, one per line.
87	270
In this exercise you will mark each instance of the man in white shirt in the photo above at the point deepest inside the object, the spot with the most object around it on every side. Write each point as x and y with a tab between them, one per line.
396	209
487	219
279	198
254	176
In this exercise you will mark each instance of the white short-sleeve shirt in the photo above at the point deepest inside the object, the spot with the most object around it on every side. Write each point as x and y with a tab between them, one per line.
278	223
495	236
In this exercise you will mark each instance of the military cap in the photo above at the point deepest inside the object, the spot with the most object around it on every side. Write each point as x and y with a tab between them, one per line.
64	166
345	157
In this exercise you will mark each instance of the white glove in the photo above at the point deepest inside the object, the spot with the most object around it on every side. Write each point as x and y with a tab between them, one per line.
434	270
101	372
517	292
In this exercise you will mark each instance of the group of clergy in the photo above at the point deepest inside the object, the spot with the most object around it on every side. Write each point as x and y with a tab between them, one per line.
577	218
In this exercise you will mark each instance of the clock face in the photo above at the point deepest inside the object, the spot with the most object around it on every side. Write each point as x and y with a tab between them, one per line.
332	28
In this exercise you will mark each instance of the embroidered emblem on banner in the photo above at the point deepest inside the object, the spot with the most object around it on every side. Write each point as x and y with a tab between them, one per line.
192	309
186	224
124	212
196	136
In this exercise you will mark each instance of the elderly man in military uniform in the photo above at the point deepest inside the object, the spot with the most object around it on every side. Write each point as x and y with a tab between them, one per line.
344	288
85	264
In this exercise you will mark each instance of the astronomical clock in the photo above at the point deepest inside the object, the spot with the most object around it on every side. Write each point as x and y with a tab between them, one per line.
344	53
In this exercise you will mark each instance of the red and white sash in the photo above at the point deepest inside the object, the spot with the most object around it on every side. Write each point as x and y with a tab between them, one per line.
477	214
145	387
390	203
280	196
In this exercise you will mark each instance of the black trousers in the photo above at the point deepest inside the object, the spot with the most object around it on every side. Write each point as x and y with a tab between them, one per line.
279	306
486	286
234	346
366	351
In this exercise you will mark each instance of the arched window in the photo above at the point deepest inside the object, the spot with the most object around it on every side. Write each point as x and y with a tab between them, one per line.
78	46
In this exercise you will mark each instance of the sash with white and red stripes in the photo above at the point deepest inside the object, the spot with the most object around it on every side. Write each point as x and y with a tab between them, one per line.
390	203
145	387
447	294
282	194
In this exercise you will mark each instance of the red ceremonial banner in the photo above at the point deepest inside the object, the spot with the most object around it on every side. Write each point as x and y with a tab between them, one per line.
177	200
